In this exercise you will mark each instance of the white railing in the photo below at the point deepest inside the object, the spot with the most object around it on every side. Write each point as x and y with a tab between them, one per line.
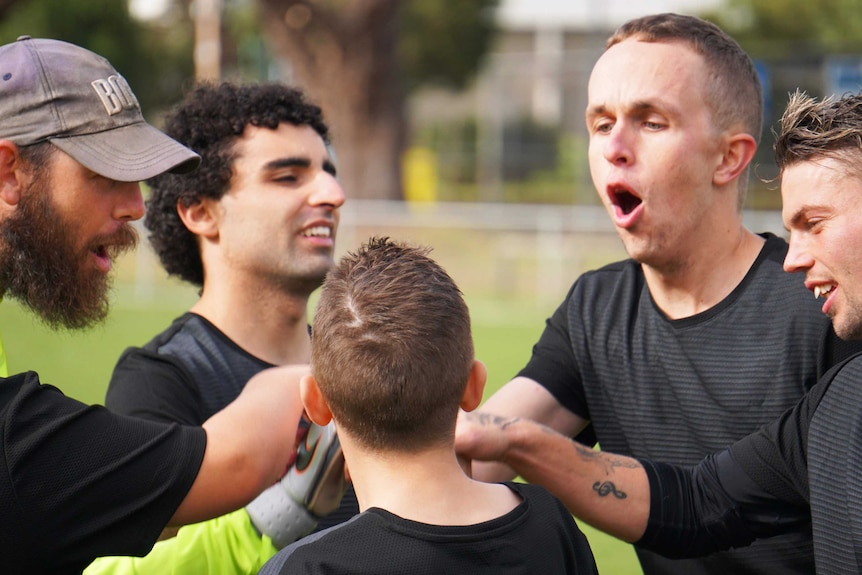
527	252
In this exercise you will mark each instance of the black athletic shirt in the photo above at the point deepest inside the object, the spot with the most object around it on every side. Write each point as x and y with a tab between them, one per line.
677	390
78	482
764	483
537	537
186	374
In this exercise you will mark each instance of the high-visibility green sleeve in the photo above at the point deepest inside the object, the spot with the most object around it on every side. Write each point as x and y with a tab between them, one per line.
227	545
4	369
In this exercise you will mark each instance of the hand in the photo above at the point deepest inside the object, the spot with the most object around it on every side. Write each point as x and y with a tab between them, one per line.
482	436
312	488
301	434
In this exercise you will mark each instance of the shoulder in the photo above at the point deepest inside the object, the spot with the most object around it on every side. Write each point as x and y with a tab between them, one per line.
337	544
624	270
23	396
623	279
538	498
775	247
188	327
170	354
848	371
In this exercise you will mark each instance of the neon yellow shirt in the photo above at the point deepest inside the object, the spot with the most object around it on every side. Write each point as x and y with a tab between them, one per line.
226	545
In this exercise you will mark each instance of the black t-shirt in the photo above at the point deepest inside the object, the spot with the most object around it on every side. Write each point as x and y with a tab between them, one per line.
538	536
677	390
764	483
187	374
78	482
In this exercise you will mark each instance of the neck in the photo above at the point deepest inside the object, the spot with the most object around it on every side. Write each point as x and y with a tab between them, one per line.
709	273
269	324
427	486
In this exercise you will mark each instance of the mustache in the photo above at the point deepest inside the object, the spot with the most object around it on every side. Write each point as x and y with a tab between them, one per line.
123	240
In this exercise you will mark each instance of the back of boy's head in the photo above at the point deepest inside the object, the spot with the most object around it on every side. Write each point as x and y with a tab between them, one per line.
392	349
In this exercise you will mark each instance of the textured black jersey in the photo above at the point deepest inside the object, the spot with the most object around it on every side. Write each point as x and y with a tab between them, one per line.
187	374
677	390
765	483
538	536
78	482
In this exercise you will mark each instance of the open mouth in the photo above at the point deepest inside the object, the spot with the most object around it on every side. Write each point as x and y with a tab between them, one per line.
626	201
103	257
823	291
623	199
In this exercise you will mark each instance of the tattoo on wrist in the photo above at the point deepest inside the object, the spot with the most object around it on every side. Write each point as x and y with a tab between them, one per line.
608	488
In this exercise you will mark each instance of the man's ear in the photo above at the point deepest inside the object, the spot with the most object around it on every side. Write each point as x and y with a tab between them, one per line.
738	152
475	386
199	217
315	405
12	178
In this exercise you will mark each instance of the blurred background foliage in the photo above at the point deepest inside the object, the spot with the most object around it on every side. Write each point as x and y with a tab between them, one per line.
374	66
156	58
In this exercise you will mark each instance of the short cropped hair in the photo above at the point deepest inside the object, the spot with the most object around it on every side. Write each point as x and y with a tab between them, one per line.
830	128
734	91
391	347
210	120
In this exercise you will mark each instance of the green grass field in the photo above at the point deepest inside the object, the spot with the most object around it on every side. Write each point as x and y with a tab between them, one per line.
80	363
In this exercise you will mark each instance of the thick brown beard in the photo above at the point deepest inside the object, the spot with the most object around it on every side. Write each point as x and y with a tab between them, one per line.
40	268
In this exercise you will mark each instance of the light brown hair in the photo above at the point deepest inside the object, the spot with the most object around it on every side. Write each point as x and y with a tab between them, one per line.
830	128
391	347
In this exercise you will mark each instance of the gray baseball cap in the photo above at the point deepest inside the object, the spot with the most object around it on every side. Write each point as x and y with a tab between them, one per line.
59	92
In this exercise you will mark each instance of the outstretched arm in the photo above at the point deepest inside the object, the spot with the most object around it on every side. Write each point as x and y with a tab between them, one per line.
672	510
249	445
226	545
610	492
524	398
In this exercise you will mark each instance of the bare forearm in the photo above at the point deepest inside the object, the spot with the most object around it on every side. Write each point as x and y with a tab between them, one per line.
525	398
608	491
249	445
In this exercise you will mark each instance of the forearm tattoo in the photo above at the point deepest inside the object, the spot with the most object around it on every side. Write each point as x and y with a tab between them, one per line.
495	420
609	462
608	488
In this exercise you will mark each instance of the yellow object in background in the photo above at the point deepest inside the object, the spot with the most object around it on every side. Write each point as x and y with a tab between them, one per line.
420	179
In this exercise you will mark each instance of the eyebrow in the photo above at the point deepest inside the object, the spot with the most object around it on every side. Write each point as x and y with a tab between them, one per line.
329	167
639	106
291	162
797	217
298	162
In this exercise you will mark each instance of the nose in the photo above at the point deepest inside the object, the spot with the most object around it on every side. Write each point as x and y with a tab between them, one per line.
618	145
798	256
129	204
328	192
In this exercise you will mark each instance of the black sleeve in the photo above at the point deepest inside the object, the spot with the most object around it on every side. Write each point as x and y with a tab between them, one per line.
835	350
78	482
756	488
155	387
553	366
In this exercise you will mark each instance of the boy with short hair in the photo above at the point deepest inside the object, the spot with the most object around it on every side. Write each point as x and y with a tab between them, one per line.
392	363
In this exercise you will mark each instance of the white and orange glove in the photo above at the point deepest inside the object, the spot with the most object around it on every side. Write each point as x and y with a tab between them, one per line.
312	488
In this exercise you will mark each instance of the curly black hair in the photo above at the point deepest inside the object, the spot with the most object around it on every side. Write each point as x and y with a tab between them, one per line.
209	120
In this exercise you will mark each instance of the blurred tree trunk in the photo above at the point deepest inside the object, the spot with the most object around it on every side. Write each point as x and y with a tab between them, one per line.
5	5
342	53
